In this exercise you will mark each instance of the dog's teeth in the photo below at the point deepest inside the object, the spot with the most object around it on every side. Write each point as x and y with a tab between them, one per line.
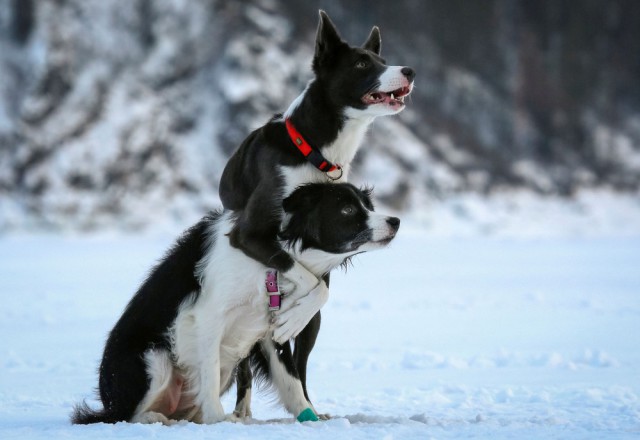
392	97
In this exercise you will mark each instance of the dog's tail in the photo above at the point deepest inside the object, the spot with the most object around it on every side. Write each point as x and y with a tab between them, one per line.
84	415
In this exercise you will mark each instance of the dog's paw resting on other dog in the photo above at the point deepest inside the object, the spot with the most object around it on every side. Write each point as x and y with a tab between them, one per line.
296	312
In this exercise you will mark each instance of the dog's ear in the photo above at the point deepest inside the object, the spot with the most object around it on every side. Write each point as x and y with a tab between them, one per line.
300	224
302	199
366	195
374	42
289	204
327	40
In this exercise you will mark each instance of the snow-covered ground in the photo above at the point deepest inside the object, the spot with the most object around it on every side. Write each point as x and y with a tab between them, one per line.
431	338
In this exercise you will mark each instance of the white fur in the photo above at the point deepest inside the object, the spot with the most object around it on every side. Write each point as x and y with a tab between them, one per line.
160	370
211	335
303	279
379	225
392	78
291	320
288	387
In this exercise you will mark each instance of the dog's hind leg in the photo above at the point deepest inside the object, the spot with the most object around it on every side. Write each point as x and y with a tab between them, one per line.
165	390
244	378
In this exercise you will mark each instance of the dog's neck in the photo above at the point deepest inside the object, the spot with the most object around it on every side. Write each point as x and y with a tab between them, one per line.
337	133
319	262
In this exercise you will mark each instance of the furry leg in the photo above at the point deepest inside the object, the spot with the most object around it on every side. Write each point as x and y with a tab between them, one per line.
165	389
286	383
243	402
208	396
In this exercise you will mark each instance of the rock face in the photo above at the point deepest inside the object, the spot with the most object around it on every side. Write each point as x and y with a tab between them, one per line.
125	112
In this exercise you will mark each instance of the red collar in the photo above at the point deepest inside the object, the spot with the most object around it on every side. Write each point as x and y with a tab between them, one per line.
333	171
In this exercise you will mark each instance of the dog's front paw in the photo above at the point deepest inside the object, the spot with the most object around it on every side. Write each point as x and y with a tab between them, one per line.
290	322
288	326
233	418
212	413
286	285
243	408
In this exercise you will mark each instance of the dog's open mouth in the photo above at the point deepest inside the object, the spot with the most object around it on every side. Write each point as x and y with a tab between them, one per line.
392	98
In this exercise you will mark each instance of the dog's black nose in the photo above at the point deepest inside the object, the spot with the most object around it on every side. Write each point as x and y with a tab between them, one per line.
408	72
394	222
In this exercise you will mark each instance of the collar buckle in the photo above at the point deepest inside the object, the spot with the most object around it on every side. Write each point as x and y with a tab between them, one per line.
335	173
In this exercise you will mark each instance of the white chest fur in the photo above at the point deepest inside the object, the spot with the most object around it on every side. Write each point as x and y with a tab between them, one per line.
230	312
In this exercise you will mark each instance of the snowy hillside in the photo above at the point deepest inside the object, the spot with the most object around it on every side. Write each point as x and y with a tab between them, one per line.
122	114
480	339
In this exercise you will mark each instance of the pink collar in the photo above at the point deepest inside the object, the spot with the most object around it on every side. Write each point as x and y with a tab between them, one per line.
273	290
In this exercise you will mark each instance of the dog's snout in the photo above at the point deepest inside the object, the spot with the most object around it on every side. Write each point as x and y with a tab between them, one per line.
394	222
409	73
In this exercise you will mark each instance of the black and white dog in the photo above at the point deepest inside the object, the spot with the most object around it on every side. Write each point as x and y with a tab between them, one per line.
205	307
315	140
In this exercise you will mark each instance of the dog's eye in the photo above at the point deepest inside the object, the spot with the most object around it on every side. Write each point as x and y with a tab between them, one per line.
361	64
348	210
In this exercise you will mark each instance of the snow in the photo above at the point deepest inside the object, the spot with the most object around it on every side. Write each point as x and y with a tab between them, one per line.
432	338
594	213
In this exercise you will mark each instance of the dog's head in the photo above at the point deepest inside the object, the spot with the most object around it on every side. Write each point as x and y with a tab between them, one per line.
357	78
327	223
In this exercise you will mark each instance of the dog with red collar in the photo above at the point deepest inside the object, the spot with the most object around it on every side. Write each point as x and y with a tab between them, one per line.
207	305
315	140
